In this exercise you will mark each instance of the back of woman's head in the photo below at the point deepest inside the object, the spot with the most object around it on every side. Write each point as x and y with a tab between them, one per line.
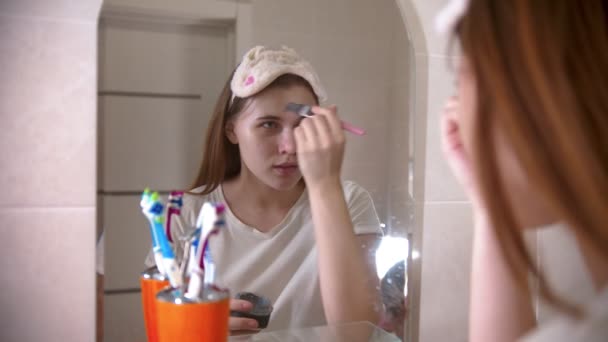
541	74
221	158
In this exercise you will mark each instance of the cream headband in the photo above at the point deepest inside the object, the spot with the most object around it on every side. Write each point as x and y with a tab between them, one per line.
261	66
450	15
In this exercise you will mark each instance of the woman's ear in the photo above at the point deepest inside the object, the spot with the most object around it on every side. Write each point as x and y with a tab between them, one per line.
229	131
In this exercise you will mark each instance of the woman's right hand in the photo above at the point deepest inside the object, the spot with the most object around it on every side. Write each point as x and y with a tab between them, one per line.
320	144
241	324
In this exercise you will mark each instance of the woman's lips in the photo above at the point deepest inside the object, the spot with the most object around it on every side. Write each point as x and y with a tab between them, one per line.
285	169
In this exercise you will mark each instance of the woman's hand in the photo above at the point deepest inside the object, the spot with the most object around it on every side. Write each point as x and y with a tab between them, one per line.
320	145
499	310
241	324
454	152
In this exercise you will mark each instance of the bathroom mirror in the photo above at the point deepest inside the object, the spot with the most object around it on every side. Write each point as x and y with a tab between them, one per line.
161	68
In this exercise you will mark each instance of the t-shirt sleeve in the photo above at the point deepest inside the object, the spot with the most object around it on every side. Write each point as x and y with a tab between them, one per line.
362	211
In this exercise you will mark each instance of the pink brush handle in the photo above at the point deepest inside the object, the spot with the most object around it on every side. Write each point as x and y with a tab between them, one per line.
353	129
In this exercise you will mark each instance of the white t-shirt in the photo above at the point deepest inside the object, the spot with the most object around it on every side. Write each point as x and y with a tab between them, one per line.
280	264
592	328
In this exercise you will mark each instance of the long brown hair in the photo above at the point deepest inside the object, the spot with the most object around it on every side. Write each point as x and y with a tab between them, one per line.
221	158
541	69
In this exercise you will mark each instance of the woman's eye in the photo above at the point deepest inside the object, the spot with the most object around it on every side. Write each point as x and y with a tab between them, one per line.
269	124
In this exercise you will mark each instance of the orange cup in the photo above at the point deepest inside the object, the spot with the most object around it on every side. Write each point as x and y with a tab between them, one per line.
151	283
184	320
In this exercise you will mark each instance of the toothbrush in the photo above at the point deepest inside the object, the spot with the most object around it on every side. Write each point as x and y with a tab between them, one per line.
147	209
210	220
209	267
306	111
208	264
175	206
190	247
154	212
188	255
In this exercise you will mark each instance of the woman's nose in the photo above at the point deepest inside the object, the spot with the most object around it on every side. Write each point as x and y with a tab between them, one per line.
287	142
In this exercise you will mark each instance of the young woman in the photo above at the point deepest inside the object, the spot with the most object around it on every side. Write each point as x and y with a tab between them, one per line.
295	232
527	135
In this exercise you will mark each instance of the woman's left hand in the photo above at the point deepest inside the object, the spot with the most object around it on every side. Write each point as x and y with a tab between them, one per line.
320	145
457	157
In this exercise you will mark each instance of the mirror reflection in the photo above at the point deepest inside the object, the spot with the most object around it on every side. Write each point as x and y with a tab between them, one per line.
316	217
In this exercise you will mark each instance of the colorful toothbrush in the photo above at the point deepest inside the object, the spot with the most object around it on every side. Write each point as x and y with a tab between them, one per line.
153	209
209	267
210	220
174	208
147	208
189	257
306	111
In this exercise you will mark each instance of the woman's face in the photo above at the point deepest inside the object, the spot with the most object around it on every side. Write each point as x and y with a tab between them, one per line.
528	206
264	134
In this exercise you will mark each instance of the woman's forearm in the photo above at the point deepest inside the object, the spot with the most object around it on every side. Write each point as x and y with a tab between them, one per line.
500	310
349	293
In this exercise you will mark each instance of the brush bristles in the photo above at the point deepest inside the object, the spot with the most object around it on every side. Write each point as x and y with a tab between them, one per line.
300	109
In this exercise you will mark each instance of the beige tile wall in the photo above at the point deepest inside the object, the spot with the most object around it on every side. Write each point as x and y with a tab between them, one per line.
47	163
444	284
